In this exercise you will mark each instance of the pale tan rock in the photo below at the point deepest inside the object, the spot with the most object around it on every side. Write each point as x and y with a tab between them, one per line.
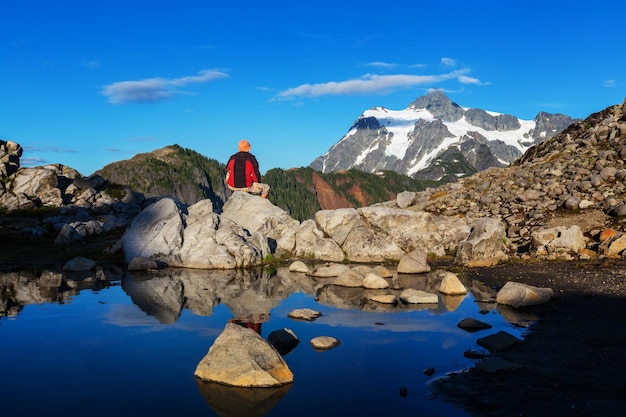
413	296
349	278
299	266
241	357
516	294
373	281
452	285
414	262
385	298
324	342
304	314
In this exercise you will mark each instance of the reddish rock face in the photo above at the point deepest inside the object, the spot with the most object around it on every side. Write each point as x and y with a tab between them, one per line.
328	199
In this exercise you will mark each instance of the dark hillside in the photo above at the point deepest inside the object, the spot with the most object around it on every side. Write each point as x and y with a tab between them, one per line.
191	177
303	191
172	170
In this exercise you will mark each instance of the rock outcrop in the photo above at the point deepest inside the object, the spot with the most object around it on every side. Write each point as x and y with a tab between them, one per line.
10	153
85	205
560	200
194	237
241	357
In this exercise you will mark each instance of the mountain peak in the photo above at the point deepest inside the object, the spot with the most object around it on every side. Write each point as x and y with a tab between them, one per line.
415	141
439	105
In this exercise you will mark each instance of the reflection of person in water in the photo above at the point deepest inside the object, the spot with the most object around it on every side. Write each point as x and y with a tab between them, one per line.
253	321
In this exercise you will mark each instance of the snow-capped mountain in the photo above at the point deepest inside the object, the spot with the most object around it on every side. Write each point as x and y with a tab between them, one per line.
435	138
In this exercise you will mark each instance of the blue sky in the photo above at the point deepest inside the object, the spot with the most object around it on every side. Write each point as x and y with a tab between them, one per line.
86	83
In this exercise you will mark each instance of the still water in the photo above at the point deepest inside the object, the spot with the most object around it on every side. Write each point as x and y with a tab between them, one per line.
115	343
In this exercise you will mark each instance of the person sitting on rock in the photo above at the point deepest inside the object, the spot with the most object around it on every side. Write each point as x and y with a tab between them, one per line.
242	172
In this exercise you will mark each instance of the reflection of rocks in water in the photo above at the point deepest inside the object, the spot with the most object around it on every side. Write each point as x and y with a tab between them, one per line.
229	401
255	292
248	293
428	282
486	307
482	292
451	302
342	297
160	296
300	282
516	317
361	299
21	288
201	287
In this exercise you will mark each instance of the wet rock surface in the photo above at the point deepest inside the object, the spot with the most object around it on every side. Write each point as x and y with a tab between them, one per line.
573	359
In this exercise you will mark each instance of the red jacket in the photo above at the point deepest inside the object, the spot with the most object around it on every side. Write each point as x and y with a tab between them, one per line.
243	170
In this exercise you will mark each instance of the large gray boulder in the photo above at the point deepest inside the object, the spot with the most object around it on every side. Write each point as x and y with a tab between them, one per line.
257	214
558	239
414	262
311	242
241	357
38	183
407	229
339	223
486	244
364	245
359	242
197	238
156	232
516	294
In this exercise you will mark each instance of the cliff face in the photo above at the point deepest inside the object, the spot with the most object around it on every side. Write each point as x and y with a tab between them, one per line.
303	191
327	198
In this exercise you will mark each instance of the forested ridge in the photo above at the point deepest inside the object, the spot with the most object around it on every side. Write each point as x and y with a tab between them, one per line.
191	177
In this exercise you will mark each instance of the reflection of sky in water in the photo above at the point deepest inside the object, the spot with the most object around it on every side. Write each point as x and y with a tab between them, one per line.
133	348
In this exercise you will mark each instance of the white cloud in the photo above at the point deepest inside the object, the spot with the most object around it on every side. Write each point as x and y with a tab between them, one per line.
448	62
368	84
55	149
463	79
155	89
380	64
31	162
610	83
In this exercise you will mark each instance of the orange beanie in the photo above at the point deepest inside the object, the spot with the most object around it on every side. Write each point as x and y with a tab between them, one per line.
244	146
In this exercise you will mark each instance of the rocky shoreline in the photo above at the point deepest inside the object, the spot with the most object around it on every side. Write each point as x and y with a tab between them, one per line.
555	219
573	358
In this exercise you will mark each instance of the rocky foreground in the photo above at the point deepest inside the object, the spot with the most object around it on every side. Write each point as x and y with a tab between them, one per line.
565	199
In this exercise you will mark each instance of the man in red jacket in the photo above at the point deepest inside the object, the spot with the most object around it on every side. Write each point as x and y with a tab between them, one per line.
242	172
